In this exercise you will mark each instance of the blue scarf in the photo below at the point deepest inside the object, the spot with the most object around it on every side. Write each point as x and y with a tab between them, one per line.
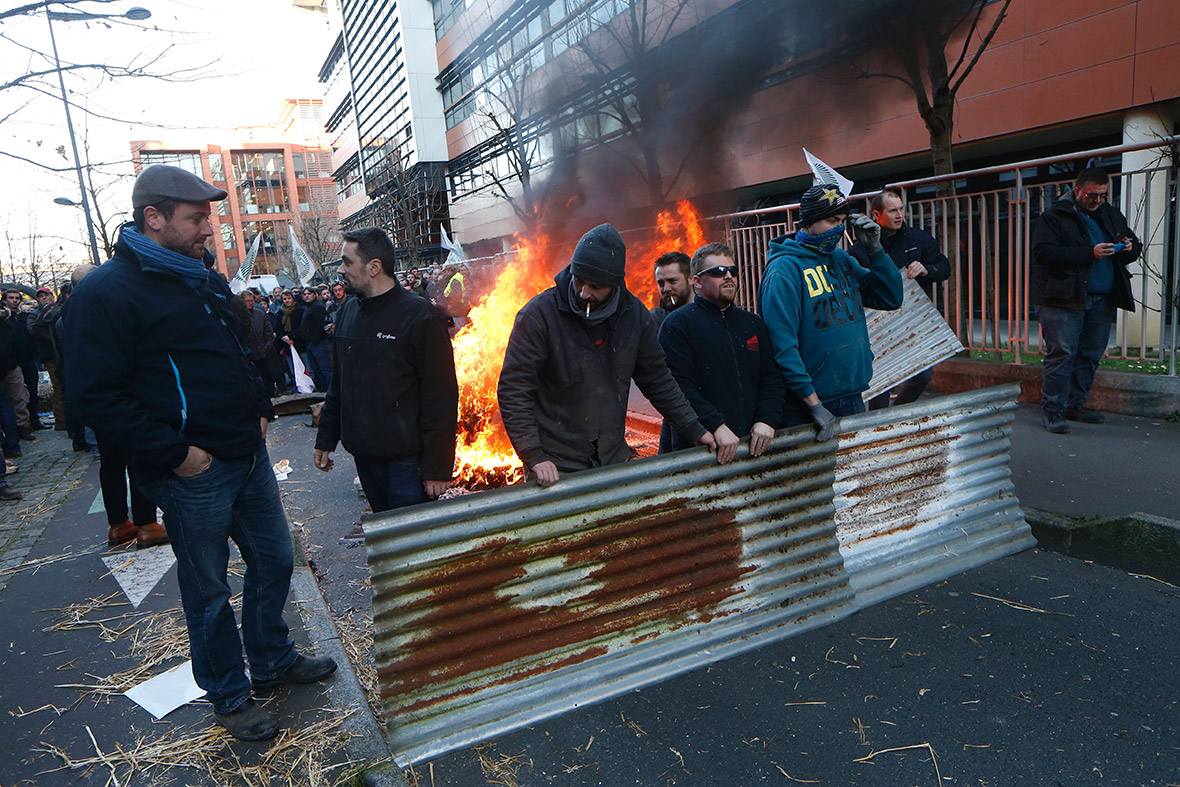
154	257
823	243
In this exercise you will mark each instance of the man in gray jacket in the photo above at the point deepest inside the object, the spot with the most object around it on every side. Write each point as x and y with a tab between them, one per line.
567	372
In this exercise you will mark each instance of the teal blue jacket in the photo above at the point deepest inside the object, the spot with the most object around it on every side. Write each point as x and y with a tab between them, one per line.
813	305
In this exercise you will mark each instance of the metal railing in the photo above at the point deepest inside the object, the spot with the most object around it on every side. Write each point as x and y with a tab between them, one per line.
987	234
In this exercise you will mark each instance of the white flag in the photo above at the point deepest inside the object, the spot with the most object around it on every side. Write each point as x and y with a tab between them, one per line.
456	251
304	267
241	279
303	381
825	174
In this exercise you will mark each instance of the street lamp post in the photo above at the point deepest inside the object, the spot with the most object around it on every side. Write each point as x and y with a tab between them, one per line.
137	14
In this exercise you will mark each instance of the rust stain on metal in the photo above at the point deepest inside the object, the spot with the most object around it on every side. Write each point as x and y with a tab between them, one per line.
665	565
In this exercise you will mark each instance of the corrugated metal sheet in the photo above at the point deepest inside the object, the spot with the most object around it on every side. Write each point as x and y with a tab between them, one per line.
499	609
924	491
908	340
494	610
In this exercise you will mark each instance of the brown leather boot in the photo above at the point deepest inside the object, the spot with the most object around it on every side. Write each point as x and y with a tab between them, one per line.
151	535
121	534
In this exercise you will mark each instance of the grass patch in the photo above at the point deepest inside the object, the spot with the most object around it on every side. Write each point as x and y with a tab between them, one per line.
1132	363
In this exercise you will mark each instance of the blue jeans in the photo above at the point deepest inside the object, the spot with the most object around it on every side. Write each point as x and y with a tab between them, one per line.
319	365
906	392
1075	340
391	484
796	412
11	440
238	499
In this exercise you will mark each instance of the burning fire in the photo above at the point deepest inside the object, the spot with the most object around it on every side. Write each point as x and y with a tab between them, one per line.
483	454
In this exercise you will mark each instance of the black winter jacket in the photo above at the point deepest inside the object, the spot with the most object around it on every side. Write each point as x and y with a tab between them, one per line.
905	246
564	386
311	325
724	364
155	365
1063	253
393	393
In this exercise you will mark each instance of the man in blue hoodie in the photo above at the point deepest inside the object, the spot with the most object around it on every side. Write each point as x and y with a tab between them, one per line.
156	365
813	297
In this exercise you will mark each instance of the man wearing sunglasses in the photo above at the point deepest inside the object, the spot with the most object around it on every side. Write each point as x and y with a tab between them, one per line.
722	359
1081	248
813	297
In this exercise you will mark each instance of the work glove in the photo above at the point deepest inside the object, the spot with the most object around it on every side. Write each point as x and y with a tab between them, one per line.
825	421
868	232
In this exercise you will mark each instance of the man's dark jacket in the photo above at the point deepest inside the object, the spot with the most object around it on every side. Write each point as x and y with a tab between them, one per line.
1063	253
258	335
724	363
311	325
393	393
905	246
155	365
564	384
41	327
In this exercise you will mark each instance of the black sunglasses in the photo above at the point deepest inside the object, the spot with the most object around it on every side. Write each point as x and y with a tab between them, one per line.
719	271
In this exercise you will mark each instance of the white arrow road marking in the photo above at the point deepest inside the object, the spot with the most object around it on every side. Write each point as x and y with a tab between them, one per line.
139	571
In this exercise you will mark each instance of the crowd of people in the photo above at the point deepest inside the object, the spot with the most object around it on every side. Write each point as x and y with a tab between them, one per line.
158	367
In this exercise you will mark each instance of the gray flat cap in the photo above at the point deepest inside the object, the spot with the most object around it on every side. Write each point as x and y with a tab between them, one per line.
160	182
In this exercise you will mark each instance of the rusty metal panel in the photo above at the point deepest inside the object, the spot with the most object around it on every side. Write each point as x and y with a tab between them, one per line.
924	491
908	340
501	608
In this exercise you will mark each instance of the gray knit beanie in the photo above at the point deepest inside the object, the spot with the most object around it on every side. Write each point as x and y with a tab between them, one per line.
600	257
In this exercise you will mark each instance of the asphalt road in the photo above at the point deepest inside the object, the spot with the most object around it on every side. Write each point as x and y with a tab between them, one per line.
1037	669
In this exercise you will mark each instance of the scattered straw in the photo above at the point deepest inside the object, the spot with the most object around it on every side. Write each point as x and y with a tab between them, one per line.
792	778
356	635
1155	579
500	768
869	757
294	757
33	565
1021	607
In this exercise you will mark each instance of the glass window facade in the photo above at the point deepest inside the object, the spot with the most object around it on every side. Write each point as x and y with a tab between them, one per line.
227	236
261	180
185	160
217	167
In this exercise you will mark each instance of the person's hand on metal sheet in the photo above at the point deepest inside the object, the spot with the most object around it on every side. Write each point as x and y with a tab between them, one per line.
868	232
727	444
824	421
709	441
546	473
760	437
435	489
323	460
915	269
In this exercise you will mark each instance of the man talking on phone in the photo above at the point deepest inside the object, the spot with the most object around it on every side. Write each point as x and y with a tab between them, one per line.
1081	248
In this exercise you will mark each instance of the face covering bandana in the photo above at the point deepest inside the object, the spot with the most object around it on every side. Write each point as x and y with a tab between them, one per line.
822	243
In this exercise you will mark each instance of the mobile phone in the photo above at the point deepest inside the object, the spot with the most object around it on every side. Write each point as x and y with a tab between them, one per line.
1120	246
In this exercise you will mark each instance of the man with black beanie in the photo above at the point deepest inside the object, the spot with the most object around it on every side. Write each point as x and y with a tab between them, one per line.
567	371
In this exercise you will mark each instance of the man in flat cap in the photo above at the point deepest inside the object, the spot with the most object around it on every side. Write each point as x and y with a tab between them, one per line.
572	354
157	368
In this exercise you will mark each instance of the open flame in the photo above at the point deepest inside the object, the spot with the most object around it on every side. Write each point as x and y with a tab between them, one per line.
483	454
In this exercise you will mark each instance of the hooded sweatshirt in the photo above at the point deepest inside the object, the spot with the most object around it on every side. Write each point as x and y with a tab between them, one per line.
813	304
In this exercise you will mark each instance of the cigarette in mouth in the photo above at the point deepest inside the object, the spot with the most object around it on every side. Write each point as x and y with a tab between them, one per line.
672	299
587	309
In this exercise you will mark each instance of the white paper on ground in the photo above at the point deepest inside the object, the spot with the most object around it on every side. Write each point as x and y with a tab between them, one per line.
167	691
282	469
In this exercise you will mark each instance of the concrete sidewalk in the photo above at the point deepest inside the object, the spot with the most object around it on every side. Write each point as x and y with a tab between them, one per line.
82	622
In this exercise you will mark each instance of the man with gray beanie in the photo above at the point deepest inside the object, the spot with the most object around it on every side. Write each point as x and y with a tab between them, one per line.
812	298
567	371
157	368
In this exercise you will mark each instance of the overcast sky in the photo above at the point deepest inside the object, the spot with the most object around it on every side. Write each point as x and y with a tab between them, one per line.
262	51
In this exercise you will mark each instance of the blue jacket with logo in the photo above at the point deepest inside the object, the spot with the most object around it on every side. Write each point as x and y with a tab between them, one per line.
813	305
156	366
